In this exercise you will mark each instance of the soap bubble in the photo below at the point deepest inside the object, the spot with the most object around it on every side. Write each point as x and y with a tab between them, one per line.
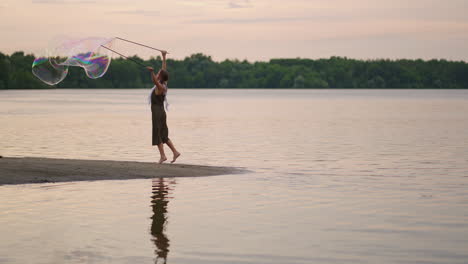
89	54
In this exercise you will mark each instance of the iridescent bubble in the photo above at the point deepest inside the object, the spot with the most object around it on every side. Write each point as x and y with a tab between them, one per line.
87	53
48	71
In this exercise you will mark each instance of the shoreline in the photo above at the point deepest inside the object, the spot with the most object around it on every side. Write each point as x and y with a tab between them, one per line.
245	88
27	170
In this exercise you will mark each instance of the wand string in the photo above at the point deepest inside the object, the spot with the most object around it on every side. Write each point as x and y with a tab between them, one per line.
135	61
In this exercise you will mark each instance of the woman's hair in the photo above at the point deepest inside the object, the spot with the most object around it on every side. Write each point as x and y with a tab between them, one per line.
164	75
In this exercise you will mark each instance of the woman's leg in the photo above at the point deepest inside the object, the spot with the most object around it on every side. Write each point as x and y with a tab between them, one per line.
174	150
161	153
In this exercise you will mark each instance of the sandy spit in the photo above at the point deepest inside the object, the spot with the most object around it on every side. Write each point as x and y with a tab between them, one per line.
41	170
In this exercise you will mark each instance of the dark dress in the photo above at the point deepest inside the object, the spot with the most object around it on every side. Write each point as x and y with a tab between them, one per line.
160	130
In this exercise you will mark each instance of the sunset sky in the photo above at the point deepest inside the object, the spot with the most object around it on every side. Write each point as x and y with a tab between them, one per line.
249	29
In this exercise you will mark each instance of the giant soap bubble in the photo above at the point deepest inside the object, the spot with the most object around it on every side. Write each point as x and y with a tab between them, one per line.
89	53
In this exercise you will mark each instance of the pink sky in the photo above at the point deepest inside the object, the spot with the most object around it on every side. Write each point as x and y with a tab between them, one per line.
249	29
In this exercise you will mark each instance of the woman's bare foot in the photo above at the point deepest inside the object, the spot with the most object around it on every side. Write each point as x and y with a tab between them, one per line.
176	155
162	159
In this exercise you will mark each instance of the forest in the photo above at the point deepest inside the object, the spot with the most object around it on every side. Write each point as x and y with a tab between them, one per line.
201	71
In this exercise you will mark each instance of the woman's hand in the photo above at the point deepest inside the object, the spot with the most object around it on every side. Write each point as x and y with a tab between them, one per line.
163	53
151	69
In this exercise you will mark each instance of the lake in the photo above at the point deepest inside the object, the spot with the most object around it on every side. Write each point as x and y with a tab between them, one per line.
337	176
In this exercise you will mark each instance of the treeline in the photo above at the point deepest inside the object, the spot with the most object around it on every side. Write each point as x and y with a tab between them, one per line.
200	71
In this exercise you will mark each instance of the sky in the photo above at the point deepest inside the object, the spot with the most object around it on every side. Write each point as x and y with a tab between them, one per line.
249	29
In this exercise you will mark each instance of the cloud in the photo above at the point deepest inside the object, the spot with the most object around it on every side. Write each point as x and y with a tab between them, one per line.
63	1
239	4
248	20
259	20
369	15
139	12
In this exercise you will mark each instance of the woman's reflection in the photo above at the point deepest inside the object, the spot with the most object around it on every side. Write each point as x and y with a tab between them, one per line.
159	219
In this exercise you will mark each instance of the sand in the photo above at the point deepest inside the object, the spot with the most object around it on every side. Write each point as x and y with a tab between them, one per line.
42	170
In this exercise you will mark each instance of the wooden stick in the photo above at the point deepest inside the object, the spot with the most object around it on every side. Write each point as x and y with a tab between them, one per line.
141	44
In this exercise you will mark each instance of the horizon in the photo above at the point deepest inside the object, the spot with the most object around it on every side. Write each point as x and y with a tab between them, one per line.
270	59
255	30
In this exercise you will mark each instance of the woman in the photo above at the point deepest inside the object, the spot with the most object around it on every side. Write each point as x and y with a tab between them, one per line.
157	97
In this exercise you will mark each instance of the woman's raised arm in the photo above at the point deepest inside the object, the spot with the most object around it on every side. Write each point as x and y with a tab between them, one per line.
160	88
164	66
154	77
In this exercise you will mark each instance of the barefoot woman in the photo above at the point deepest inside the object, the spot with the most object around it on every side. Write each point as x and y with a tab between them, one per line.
158	95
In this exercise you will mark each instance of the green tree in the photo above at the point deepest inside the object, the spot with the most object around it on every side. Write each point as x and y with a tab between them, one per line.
200	71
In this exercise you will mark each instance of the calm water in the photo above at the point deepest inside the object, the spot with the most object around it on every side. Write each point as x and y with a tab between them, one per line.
339	176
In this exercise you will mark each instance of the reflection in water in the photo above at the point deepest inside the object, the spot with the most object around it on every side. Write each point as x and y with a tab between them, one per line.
159	219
